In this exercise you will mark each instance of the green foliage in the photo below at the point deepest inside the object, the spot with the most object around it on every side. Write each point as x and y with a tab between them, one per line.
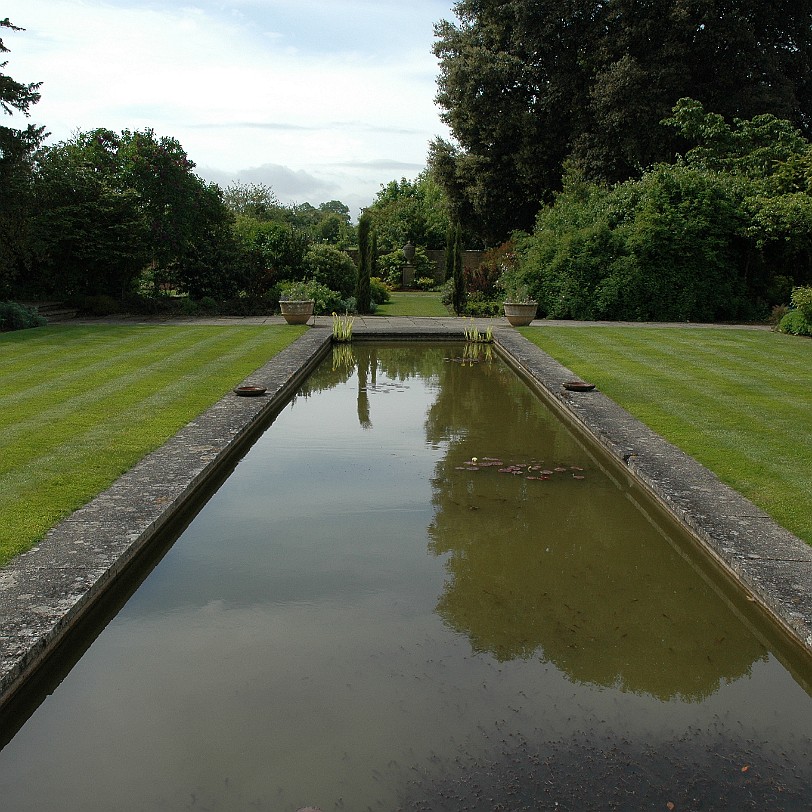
325	299
378	293
747	147
802	300
363	290
15	316
254	200
798	321
331	267
767	165
795	323
105	206
295	292
527	85
410	211
478	305
459	293
669	247
342	328
90	234
391	266
271	251
17	147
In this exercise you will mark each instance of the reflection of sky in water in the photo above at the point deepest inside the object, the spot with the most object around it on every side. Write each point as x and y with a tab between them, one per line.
336	619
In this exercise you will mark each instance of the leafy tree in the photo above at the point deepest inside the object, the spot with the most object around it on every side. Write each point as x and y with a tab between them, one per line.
275	251
336	207
108	205
526	85
90	235
769	163
252	200
178	204
407	210
17	147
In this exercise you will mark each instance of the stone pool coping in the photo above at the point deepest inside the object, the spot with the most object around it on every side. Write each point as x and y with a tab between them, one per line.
45	592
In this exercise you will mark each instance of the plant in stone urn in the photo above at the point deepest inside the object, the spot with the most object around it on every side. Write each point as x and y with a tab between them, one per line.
296	303
520	306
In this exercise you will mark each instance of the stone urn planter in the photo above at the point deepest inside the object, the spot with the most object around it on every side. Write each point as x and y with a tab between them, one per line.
297	311
520	314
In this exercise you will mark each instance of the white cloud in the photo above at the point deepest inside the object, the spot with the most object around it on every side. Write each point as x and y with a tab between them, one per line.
334	93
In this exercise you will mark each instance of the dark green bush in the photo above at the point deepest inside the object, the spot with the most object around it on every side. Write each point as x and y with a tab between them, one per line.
659	249
378	292
14	316
479	305
795	323
332	268
326	300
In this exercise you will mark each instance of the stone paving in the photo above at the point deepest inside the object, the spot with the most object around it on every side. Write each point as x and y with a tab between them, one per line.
46	591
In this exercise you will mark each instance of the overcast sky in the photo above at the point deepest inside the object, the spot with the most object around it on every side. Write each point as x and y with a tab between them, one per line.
319	99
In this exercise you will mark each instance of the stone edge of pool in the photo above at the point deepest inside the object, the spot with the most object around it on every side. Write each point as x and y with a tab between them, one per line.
45	592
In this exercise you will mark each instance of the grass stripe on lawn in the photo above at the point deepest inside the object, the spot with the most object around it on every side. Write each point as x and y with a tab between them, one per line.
738	401
80	405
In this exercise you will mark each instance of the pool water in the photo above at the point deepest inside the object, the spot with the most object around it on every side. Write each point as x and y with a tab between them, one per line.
419	590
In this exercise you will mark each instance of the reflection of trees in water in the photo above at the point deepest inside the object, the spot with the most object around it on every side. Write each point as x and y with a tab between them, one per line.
367	375
400	362
394	363
566	570
339	370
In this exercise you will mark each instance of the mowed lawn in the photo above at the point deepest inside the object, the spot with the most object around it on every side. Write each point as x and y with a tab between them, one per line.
80	405
737	400
413	303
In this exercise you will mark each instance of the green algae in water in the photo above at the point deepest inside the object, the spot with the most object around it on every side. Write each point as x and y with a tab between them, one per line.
366	616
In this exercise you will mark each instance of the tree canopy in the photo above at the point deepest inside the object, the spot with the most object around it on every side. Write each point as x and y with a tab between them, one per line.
16	149
106	205
410	210
529	85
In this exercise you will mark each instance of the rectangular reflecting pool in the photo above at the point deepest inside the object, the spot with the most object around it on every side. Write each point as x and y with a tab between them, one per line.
418	590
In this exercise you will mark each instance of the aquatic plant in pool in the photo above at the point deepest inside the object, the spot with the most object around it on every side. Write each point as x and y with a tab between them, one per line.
473	334
342	328
389	606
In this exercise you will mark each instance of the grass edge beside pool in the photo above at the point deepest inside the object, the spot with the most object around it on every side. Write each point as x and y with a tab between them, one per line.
736	400
80	405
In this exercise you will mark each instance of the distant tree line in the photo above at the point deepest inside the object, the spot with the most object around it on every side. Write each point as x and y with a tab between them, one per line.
108	217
